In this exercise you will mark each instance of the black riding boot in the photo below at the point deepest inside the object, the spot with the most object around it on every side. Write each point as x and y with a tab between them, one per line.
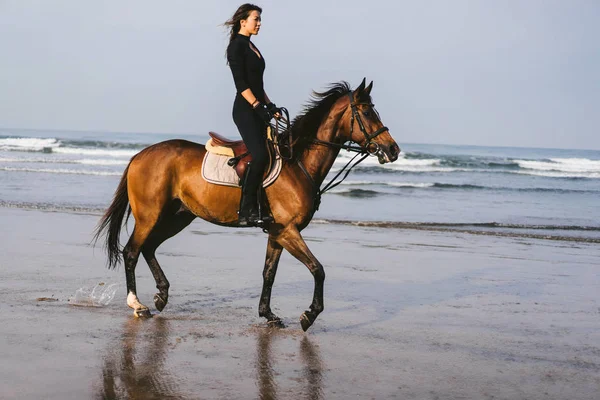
264	216
248	213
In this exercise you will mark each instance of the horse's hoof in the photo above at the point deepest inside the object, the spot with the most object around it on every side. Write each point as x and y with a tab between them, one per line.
276	323
159	302
142	313
305	321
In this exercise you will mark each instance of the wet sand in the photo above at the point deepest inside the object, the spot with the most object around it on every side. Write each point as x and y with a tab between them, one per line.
408	315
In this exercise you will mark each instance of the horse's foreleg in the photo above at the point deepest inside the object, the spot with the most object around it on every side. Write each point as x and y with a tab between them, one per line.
168	226
293	242
274	250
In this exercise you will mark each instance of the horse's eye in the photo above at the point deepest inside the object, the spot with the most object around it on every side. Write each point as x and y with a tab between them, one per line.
366	113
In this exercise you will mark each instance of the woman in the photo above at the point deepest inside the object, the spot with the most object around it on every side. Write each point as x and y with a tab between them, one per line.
252	109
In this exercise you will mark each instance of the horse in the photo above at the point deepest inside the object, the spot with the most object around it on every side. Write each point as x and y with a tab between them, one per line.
163	189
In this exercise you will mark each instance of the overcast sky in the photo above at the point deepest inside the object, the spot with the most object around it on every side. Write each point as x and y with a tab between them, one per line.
510	73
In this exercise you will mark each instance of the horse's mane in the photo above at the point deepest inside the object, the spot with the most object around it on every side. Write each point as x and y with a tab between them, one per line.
306	124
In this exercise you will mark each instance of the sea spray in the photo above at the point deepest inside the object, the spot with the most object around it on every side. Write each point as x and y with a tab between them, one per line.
98	296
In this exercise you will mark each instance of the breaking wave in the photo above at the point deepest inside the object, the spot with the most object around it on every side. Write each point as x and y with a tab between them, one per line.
81	147
419	163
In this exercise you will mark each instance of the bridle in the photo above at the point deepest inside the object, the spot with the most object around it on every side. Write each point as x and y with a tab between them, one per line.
370	144
370	148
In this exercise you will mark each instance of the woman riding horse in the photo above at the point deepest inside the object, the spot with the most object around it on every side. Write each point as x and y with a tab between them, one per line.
252	109
164	190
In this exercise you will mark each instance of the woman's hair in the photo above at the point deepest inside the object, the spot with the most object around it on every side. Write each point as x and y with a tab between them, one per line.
243	12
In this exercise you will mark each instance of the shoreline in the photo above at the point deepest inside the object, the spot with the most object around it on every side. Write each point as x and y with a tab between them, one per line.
493	228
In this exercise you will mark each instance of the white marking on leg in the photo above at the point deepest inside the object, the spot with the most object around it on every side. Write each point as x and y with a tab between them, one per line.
132	301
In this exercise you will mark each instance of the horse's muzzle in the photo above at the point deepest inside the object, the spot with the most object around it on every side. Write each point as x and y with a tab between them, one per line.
394	151
387	154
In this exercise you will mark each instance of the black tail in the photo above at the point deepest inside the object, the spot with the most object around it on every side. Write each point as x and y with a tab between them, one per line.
112	222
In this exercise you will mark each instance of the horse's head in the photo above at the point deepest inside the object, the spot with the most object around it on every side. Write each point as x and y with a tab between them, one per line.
361	124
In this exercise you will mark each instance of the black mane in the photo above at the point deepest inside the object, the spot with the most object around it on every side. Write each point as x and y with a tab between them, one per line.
306	124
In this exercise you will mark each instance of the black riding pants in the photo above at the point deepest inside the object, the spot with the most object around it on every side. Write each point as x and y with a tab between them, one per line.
253	131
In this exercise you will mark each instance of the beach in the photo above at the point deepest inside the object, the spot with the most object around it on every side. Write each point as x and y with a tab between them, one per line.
409	314
441	159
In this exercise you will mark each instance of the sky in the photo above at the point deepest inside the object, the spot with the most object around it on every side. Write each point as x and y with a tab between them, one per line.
498	73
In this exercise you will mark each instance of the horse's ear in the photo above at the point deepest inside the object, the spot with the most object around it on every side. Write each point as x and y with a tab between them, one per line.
360	88
369	88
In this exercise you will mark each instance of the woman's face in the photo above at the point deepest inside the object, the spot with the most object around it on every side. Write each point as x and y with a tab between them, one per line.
251	25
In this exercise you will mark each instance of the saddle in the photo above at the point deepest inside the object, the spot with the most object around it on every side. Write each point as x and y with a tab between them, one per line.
225	154
226	162
236	149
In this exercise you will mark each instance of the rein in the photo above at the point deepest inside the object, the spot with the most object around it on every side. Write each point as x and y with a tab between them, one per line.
319	192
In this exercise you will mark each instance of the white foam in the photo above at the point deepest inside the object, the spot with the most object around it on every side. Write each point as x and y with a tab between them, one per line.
574	165
417	163
343	158
412	168
409	184
359	183
558	174
583	164
55	146
28	144
401	164
61	171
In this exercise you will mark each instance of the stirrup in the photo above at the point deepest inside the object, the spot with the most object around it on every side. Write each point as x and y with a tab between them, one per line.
248	220
255	221
264	216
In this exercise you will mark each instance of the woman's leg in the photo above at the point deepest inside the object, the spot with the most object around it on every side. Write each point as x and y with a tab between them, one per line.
252	130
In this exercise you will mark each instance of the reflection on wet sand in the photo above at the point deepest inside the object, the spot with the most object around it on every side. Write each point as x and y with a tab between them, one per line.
264	365
312	371
140	363
134	366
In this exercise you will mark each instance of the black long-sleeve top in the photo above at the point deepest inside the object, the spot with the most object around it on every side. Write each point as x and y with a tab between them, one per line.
246	66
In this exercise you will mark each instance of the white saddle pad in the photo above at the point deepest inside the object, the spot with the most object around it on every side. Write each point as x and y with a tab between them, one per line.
215	170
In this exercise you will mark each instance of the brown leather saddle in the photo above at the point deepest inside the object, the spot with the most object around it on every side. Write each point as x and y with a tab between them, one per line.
241	155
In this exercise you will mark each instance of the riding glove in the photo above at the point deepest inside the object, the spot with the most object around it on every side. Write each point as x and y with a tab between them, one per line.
273	109
263	112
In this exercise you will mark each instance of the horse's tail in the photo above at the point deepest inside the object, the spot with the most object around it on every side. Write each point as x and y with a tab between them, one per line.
112	221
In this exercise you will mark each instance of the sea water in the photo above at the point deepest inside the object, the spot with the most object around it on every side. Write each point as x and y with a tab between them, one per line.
493	190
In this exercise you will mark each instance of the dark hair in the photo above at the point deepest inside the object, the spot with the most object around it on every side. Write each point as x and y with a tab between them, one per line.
243	12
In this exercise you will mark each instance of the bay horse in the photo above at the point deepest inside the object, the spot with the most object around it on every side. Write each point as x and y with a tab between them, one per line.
164	190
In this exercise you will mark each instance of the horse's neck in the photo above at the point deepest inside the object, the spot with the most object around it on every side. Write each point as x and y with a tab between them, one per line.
319	158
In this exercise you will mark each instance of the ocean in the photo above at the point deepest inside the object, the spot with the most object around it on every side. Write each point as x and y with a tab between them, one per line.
505	191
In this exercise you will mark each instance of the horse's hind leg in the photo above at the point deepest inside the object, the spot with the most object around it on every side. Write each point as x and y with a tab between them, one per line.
293	242
274	250
131	253
168	226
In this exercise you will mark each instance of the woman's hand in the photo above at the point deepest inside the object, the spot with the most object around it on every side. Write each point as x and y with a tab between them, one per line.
263	112
274	110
